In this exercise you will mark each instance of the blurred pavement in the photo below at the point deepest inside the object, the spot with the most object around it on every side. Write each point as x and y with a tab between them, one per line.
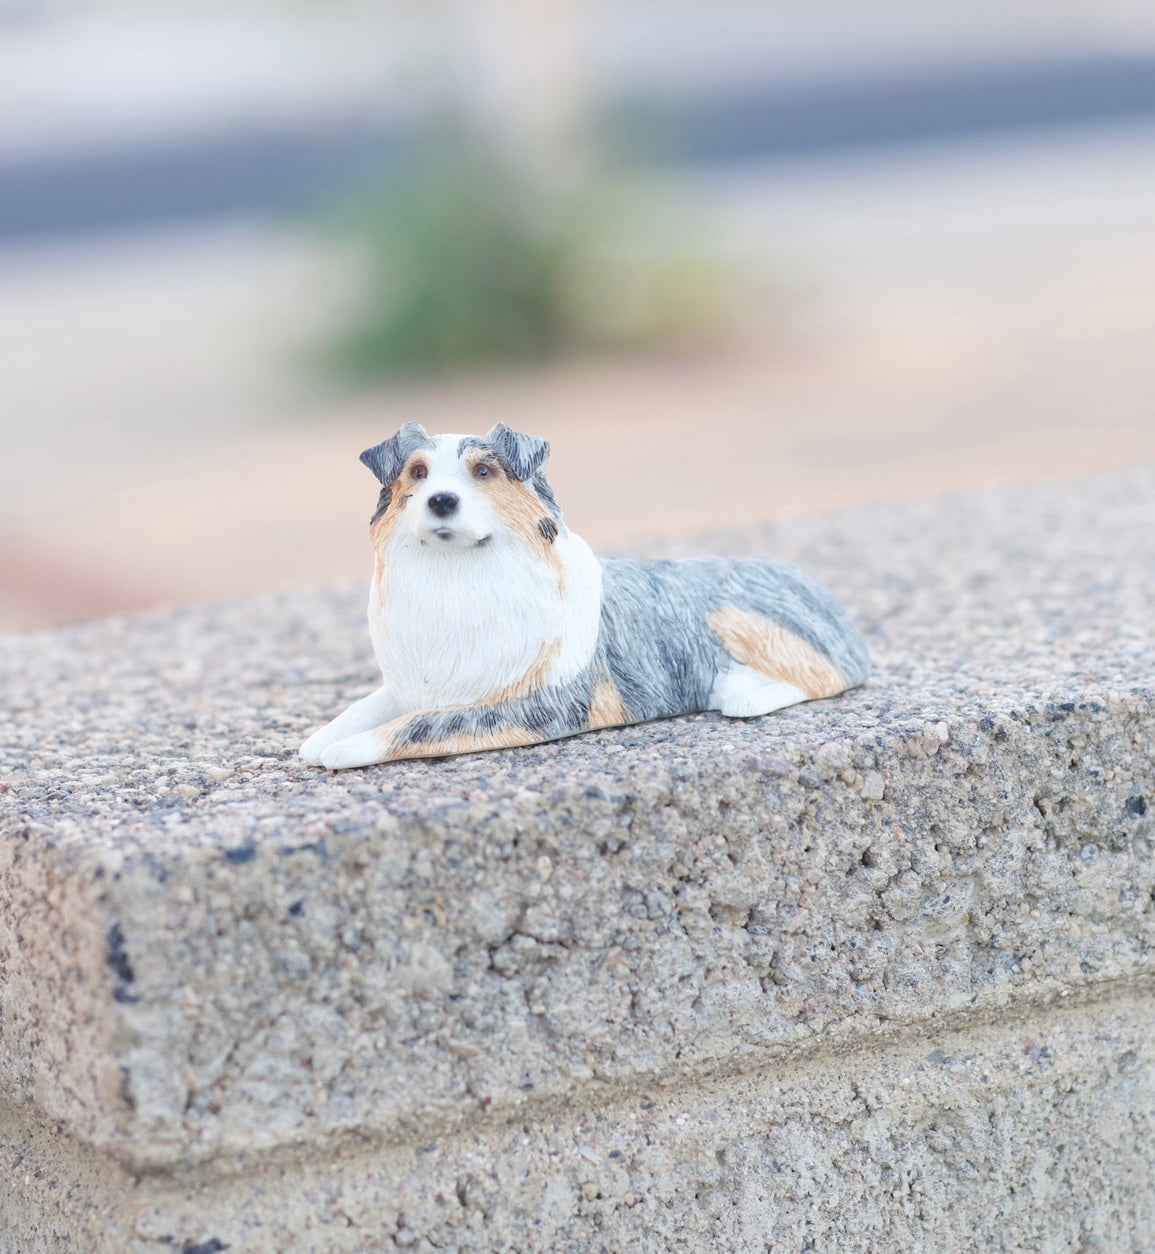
935	316
948	321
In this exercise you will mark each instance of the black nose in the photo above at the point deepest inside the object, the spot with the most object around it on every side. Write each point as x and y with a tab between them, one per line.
443	504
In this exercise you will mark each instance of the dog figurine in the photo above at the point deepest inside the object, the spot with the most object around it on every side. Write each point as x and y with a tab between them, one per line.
495	626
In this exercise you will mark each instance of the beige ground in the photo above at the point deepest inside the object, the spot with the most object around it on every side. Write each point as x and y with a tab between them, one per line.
933	323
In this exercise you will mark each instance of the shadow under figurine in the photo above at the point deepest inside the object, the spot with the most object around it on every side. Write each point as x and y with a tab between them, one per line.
495	626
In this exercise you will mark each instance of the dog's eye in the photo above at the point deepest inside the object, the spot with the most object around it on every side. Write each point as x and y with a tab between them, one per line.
418	472
481	471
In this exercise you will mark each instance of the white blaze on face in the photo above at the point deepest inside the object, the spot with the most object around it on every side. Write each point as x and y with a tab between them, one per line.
448	508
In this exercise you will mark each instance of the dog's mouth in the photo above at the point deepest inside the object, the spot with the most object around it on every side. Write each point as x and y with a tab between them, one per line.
446	534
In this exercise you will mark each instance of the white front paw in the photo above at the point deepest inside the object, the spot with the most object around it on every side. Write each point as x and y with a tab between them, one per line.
362	750
313	748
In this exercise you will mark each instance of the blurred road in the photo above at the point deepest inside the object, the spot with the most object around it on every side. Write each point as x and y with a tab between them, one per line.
189	180
266	172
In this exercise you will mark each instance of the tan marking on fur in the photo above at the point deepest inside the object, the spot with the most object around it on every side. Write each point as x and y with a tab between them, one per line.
382	531
771	650
501	738
380	534
607	709
534	678
519	508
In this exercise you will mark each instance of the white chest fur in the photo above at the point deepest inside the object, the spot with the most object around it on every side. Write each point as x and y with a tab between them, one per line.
454	626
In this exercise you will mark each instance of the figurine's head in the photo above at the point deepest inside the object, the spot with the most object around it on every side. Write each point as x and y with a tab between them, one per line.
462	492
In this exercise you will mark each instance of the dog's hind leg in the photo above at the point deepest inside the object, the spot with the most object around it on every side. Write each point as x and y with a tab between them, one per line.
771	667
741	692
361	716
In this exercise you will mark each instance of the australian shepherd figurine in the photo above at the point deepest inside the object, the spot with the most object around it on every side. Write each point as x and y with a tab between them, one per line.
495	626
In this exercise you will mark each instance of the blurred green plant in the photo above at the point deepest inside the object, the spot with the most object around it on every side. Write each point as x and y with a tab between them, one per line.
465	260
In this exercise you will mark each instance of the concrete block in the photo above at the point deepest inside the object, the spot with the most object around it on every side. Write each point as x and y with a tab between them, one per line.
872	973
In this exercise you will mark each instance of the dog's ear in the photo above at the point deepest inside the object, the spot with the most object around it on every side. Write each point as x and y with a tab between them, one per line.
524	454
385	460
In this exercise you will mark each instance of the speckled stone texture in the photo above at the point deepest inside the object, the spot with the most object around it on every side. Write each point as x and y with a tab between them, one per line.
867	974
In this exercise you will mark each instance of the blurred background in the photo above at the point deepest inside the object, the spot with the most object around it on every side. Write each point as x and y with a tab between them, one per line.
735	260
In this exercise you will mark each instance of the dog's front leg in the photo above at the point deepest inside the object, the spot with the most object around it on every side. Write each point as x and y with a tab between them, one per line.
427	734
370	711
546	715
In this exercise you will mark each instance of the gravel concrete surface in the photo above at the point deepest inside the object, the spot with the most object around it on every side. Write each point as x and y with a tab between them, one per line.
227	974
